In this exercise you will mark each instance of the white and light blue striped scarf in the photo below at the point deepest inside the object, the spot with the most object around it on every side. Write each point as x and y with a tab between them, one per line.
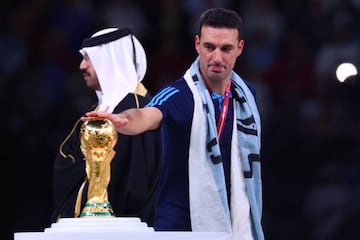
209	208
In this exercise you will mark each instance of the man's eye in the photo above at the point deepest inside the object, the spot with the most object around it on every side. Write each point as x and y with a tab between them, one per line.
226	49
208	47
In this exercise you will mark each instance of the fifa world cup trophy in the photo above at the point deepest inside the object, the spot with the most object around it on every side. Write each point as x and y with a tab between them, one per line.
98	138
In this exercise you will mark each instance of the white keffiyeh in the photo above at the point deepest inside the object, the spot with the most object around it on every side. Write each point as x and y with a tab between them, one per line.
114	65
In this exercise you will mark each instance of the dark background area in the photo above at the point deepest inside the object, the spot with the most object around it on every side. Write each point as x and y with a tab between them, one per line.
311	128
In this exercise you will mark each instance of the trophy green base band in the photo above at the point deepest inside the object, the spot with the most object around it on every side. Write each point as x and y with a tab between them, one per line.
97	210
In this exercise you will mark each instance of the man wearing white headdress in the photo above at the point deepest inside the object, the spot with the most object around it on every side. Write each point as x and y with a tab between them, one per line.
114	65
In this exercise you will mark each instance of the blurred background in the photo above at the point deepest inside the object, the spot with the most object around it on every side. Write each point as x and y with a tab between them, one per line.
311	127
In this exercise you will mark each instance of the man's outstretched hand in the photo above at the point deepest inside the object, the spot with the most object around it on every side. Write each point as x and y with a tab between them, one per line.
119	120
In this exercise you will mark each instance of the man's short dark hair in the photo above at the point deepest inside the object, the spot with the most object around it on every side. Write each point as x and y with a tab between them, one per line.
221	18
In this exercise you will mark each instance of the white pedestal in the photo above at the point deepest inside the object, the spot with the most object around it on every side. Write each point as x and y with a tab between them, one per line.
99	225
119	228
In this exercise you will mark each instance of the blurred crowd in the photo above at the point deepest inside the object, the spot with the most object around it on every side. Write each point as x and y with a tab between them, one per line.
311	127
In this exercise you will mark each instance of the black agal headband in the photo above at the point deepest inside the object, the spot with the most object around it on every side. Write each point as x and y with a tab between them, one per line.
109	37
105	38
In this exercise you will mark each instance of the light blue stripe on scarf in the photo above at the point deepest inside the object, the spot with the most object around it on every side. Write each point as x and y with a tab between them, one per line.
206	215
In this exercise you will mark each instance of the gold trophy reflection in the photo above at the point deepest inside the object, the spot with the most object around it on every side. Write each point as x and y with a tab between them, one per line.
97	141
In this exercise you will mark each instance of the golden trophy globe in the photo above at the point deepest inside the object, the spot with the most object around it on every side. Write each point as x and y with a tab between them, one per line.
97	141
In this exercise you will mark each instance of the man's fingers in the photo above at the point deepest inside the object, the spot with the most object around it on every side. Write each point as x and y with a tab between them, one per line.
94	115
